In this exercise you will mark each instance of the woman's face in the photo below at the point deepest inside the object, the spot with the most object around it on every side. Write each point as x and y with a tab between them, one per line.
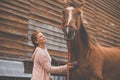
41	39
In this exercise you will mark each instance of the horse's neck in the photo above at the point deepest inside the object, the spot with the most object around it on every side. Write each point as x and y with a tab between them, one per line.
81	45
78	48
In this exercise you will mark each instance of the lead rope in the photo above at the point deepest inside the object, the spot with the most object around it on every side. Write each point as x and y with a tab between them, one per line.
68	45
68	73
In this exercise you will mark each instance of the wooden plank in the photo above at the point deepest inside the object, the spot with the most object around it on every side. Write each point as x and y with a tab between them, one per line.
4	14
106	27
13	30
45	15
12	11
109	22
102	10
54	4
112	27
111	43
8	4
15	45
42	2
38	25
56	47
45	20
58	54
44	8
13	23
26	2
14	38
19	3
4	51
109	8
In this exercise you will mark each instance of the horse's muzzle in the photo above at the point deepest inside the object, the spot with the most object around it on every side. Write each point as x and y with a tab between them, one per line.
69	33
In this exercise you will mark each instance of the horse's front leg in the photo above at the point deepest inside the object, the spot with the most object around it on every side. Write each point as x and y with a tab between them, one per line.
96	74
78	74
74	74
95	78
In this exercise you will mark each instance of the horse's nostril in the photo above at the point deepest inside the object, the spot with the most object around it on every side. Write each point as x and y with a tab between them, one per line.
69	33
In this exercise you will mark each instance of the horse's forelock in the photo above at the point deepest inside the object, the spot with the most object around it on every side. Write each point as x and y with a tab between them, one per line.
73	4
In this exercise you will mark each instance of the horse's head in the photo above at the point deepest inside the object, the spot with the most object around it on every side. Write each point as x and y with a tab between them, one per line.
72	18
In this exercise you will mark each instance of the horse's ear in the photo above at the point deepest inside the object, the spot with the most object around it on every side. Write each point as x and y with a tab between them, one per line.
67	1
82	16
82	3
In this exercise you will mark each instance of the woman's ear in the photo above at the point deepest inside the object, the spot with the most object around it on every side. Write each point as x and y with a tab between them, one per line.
36	42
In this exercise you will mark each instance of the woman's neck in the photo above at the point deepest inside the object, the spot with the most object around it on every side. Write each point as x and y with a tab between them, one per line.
42	46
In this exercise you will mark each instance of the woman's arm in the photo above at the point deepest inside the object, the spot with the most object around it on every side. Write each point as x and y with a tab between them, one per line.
46	64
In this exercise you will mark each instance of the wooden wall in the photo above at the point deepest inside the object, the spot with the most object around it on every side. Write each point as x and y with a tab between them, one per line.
49	13
103	21
19	18
14	19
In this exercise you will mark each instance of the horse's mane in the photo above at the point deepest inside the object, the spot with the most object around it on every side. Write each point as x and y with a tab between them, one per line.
84	35
86	40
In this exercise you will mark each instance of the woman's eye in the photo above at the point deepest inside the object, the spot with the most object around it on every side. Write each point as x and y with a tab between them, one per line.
40	36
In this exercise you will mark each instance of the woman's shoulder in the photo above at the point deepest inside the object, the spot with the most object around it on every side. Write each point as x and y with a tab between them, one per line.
39	51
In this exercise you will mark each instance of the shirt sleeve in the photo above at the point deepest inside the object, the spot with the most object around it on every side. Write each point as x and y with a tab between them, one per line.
46	64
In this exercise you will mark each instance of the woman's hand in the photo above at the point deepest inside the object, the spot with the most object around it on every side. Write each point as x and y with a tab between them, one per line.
72	64
69	66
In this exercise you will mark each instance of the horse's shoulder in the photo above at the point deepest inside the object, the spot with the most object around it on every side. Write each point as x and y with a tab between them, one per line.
95	46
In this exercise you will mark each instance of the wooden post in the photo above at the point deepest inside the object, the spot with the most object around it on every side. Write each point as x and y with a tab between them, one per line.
69	56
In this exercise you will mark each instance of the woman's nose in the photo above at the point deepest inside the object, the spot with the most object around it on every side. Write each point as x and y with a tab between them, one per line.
44	36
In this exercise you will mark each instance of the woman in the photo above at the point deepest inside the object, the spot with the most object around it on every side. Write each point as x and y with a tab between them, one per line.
42	61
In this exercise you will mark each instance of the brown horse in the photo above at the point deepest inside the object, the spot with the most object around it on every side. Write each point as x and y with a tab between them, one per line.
95	60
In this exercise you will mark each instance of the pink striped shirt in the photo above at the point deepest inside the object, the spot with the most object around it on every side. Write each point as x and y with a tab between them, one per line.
42	65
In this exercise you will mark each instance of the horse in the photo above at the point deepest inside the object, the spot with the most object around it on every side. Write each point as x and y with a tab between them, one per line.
94	60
